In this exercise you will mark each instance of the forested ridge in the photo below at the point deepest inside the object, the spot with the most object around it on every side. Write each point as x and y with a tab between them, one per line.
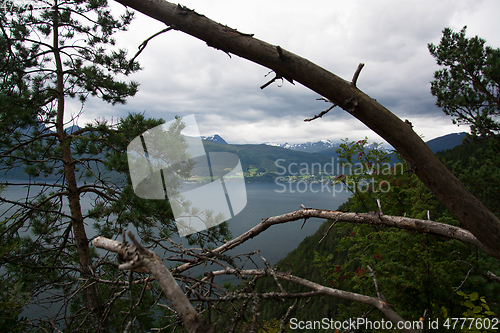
414	271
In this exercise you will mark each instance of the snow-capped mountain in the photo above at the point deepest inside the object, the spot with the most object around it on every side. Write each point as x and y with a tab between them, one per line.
308	147
72	129
215	138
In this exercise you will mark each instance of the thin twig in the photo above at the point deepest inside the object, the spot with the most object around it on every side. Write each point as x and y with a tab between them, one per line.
466	277
489	275
271	81
326	233
372	274
493	276
144	44
380	207
287	316
322	113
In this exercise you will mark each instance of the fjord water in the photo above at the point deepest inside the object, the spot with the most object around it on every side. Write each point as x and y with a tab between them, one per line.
263	200
271	199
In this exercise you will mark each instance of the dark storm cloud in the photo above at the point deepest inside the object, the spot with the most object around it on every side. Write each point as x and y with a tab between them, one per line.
183	76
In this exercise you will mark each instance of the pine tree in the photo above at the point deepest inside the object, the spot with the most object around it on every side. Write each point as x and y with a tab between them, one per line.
467	88
53	52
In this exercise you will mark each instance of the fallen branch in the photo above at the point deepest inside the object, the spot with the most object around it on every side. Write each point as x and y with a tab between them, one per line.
136	256
372	218
377	303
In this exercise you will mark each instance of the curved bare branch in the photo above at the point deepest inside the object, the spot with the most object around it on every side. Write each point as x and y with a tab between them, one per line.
373	218
377	303
136	256
442	183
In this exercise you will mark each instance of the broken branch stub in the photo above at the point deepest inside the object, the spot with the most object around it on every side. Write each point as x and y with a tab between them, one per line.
136	256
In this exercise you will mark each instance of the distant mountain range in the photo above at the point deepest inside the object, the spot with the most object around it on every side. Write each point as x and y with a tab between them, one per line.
327	147
265	162
308	147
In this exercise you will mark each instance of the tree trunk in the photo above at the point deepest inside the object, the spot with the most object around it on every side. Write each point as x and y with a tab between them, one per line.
94	303
471	213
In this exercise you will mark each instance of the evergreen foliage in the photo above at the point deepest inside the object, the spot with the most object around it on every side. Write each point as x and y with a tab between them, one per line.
476	164
51	55
468	87
416	272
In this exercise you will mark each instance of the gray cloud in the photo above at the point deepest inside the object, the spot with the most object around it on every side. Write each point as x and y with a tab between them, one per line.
183	76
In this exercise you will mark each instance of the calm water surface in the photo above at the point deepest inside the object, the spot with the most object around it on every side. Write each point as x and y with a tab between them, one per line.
263	200
270	199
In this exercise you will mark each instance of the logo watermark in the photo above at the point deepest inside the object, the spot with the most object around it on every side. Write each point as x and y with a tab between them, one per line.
334	177
170	162
354	324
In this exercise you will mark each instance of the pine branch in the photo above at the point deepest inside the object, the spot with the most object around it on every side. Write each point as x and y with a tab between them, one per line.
136	257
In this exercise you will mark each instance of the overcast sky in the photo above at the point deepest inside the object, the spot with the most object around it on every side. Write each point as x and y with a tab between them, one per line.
182	76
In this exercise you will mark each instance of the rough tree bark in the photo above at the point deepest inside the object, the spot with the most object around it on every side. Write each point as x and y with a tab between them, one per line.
373	218
378	303
94	302
473	215
136	256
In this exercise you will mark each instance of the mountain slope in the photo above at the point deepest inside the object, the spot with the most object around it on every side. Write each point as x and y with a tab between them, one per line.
445	142
266	162
215	138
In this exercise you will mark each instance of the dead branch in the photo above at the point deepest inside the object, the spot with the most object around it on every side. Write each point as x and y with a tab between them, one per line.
465	279
145	43
322	113
372	218
271	295
494	276
136	256
442	183
286	317
377	303
327	231
488	275
277	77
372	274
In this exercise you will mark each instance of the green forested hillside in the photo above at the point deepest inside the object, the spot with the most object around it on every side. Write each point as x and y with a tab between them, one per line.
263	163
416	272
476	163
462	153
260	163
